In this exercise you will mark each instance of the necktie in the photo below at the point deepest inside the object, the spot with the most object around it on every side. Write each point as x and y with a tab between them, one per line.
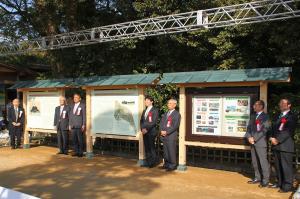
169	113
61	109
16	113
74	110
147	112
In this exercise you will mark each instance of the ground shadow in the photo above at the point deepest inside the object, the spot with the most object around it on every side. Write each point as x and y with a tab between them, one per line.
69	177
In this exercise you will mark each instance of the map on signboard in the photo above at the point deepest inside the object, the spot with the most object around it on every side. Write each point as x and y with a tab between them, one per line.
115	112
124	113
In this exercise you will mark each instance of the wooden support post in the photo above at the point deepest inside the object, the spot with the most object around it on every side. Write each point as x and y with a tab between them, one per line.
26	141
263	93
89	139
141	161
62	92
182	129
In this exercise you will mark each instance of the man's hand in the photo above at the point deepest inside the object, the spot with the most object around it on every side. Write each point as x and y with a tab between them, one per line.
82	128
18	124
251	140
274	141
70	128
14	123
144	131
163	133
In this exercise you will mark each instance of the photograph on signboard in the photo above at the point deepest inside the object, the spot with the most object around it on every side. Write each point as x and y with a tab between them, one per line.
115	112
206	115
236	115
34	105
40	109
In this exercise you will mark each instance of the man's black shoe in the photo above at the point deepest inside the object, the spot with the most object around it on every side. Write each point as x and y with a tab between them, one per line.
162	167
274	186
60	153
170	169
80	155
284	190
263	185
254	181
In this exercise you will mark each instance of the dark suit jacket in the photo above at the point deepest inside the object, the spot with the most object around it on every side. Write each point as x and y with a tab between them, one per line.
260	137
78	119
149	124
172	130
61	121
11	117
286	136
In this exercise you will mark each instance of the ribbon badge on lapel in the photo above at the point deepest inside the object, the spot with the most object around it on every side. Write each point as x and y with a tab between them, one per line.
282	123
20	114
79	110
258	124
150	116
64	114
169	121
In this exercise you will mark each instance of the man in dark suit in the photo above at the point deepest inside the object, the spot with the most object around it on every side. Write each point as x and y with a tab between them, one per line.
148	122
77	122
15	118
169	125
61	124
257	136
282	140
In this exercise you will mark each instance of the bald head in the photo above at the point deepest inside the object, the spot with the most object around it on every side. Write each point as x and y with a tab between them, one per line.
172	103
16	102
62	100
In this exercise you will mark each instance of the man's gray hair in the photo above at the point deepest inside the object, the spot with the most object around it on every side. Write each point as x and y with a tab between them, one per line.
173	100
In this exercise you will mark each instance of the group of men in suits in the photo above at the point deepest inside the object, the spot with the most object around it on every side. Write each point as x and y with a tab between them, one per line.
168	133
281	136
70	118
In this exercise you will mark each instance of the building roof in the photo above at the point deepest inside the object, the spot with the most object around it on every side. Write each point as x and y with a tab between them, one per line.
55	83
118	80
281	74
214	76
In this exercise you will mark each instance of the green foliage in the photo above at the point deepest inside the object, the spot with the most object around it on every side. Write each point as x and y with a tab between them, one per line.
161	94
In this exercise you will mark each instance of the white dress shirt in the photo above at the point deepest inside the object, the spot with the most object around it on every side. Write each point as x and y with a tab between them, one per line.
75	107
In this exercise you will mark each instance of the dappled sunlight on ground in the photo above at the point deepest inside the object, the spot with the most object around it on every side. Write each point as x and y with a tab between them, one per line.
39	172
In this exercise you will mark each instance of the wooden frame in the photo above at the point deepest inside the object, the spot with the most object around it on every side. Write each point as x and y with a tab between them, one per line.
221	139
183	143
90	137
26	141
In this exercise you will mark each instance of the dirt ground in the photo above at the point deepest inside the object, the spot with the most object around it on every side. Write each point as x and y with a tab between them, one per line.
40	172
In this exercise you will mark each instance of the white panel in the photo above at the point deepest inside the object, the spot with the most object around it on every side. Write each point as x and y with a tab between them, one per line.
41	109
115	112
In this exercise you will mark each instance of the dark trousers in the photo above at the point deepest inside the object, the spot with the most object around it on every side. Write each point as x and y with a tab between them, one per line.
260	163
169	147
77	140
15	133
150	150
284	169
62	140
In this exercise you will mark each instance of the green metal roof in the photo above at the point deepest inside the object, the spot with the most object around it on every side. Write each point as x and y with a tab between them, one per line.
118	80
240	75
55	83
